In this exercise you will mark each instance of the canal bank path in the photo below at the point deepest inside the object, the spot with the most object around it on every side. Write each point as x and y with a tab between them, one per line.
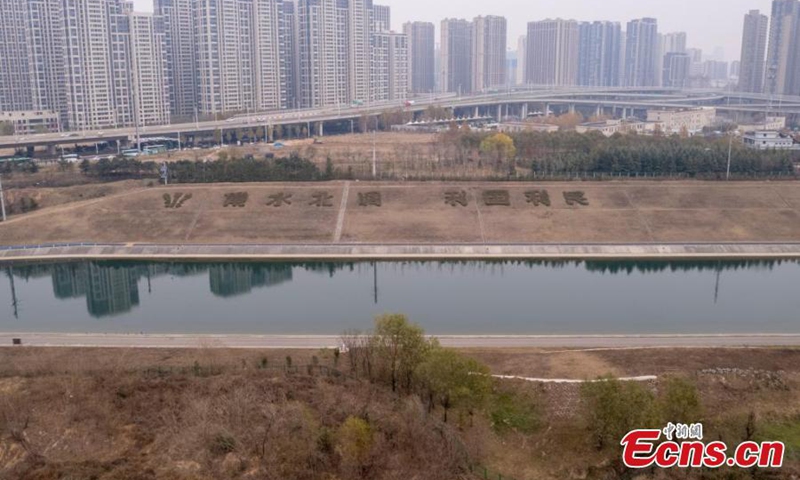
101	340
369	252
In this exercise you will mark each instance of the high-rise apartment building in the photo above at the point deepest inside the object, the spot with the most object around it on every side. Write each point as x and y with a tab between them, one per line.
552	52
421	45
290	56
271	66
179	40
120	59
322	47
754	45
599	54
381	18
456	51
90	101
389	66
522	47
642	62
45	29
100	64
489	46
783	57
148	70
359	45
677	67
15	86
94	62
673	42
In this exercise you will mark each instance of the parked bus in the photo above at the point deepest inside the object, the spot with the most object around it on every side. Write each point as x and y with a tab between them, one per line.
154	149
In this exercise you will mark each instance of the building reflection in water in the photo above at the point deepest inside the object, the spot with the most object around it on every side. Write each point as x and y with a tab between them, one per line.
113	288
109	290
232	279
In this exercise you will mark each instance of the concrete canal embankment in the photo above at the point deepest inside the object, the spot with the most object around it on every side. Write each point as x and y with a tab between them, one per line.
369	252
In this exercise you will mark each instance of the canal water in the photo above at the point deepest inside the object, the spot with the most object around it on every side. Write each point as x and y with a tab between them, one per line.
444	297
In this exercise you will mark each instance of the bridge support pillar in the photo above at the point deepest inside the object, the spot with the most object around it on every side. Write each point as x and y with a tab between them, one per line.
599	111
321	129
51	150
546	109
477	112
524	113
624	113
572	108
499	113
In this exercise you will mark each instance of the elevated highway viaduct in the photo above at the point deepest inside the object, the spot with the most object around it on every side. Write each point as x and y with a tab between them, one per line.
514	103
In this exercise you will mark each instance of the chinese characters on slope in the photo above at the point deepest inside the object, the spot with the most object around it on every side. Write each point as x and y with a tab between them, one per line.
502	198
453	198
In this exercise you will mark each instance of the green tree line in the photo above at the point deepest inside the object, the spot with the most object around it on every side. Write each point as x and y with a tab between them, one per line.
569	151
248	169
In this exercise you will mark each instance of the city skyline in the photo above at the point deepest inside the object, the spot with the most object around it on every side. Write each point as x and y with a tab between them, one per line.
205	58
725	31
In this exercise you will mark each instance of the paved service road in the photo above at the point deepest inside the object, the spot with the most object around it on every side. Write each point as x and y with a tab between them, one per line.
333	341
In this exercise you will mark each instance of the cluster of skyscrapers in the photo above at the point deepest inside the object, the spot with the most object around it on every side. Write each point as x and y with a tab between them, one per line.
100	64
558	52
602	54
770	61
96	62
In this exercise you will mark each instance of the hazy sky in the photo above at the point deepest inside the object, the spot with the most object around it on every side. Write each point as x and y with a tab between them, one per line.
708	23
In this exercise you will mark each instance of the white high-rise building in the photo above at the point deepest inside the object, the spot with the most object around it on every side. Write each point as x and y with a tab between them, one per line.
120	61
381	18
359	44
240	47
522	45
149	70
45	29
270	73
15	78
323	67
90	101
552	53
225	56
489	45
673	42
389	66
177	16
643	63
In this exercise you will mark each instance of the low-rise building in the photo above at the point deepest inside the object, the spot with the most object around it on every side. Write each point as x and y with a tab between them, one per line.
690	120
515	127
611	127
771	124
29	122
769	140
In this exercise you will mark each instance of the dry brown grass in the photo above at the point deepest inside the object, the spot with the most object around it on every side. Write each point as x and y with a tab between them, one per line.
221	416
416	212
212	413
